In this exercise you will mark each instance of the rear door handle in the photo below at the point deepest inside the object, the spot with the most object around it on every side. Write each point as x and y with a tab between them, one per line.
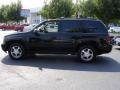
53	37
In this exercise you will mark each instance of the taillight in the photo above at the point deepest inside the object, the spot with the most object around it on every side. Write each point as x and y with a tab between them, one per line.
107	39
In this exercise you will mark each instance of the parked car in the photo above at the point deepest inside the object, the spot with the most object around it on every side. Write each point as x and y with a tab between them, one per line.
18	28
114	29
117	40
83	37
112	40
12	27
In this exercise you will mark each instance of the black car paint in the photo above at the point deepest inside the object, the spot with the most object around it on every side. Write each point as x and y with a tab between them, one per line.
57	42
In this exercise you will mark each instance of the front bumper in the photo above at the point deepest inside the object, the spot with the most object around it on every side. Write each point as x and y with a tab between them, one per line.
4	47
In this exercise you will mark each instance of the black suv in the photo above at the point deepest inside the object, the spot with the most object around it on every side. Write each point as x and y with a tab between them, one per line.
83	37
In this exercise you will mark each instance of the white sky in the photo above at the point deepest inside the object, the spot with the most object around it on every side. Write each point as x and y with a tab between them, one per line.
26	3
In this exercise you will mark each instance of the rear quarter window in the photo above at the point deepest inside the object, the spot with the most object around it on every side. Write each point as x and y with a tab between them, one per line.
74	26
94	26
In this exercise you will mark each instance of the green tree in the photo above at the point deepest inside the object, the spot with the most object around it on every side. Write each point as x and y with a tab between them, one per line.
87	8
58	8
4	13
106	10
11	12
45	12
15	11
18	16
1	15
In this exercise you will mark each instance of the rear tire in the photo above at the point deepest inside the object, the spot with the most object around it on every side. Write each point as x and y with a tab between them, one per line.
16	51
87	54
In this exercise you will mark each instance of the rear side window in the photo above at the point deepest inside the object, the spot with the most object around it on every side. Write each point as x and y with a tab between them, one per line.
69	26
77	26
94	26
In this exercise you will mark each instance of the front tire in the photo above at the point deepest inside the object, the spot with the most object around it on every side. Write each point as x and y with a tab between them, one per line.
16	51
86	54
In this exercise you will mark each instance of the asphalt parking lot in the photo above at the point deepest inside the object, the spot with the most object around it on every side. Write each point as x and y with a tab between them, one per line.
59	72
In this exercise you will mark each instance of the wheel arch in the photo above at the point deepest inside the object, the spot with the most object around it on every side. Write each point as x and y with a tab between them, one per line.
15	41
93	44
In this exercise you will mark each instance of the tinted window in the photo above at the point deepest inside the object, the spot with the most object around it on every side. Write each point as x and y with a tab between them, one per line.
76	26
69	26
94	26
51	27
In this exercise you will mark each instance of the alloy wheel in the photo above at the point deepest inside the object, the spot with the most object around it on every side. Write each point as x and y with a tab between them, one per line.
16	51
87	54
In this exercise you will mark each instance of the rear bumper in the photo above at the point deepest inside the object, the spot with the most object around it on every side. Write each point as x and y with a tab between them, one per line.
106	49
4	47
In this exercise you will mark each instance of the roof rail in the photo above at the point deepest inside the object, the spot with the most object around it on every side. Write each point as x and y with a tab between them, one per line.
62	18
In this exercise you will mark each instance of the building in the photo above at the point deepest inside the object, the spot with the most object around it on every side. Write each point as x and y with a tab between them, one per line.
34	17
31	15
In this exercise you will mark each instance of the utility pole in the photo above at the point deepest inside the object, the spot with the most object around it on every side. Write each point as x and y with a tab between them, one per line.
77	12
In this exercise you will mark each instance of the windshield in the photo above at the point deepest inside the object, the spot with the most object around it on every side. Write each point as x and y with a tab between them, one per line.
33	27
39	26
29	28
47	26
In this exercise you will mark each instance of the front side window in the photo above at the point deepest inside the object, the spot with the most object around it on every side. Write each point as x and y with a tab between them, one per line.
51	27
48	27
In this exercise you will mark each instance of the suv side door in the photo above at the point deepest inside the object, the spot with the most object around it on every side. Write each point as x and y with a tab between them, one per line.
69	34
48	36
48	39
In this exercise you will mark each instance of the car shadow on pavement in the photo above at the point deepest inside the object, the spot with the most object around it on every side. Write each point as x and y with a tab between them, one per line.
64	62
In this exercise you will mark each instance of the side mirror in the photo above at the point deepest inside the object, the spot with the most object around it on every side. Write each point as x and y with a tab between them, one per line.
36	32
